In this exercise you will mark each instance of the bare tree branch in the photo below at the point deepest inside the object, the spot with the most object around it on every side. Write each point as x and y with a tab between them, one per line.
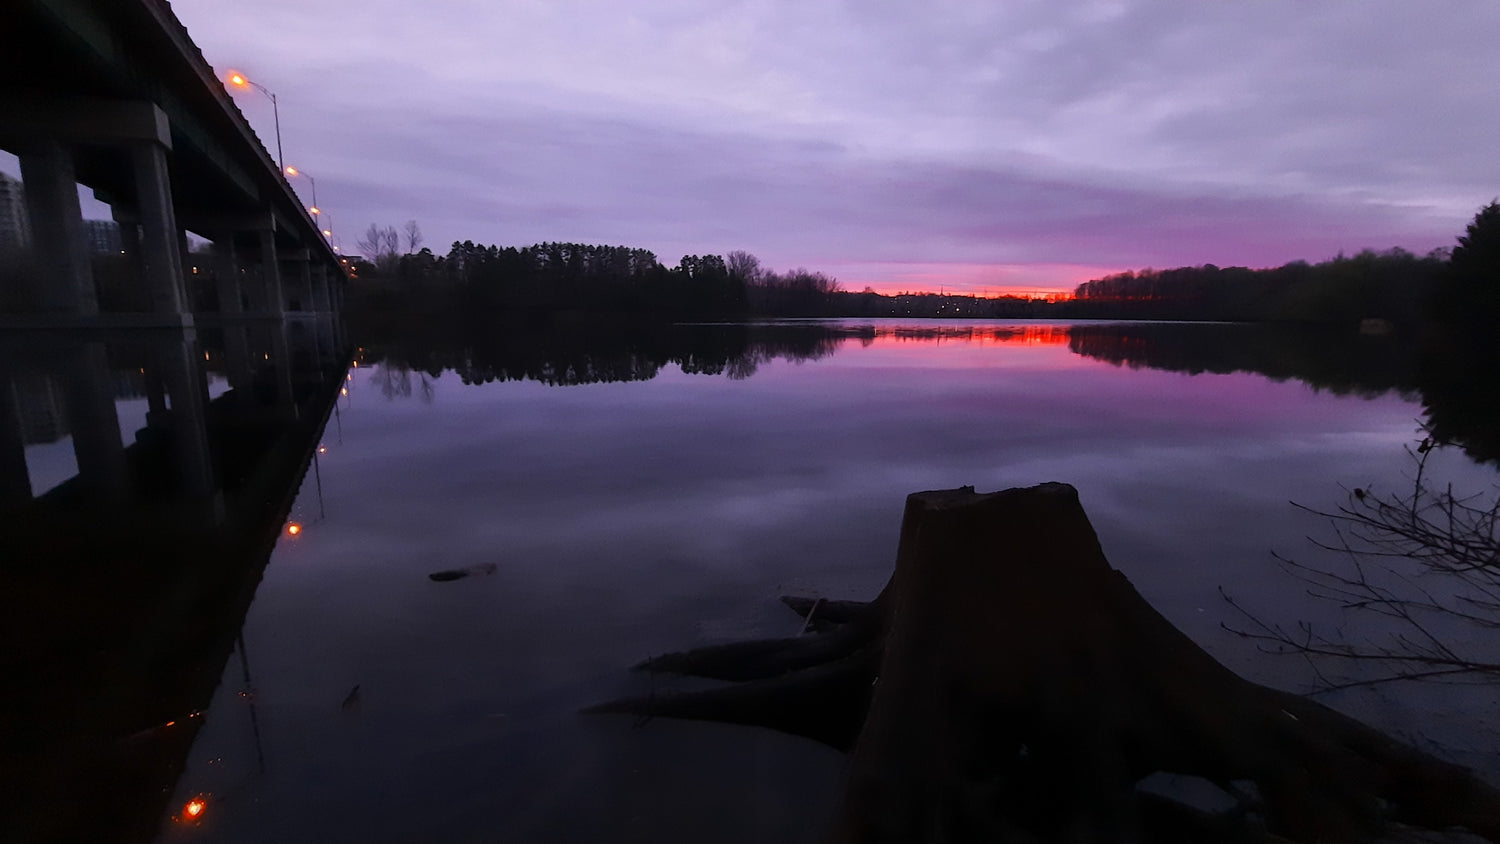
1418	558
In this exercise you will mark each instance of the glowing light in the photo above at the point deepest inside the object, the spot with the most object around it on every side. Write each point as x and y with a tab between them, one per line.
290	170
322	449
293	529
344	391
238	80
192	811
350	376
314	209
327	233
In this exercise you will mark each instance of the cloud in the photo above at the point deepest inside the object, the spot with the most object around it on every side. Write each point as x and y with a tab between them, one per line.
1107	134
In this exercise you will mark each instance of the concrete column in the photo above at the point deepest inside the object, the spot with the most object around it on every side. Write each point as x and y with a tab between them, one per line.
237	364
227	274
130	233
65	280
281	361
15	478
181	368
321	300
327	350
306	286
161	240
270	273
95	425
156	397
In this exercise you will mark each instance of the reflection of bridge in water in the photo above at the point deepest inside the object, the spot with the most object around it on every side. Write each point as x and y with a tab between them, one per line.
123	587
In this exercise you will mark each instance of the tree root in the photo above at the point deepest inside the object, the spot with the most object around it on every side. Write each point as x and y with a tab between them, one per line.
1008	684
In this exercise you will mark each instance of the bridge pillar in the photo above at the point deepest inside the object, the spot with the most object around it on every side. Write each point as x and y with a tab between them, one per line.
161	245
305	284
180	368
322	301
227	275
281	362
15	478
237	365
130	244
272	300
63	283
97	444
298	279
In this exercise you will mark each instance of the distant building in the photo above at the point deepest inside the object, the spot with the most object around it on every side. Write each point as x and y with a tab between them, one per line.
15	228
103	236
39	404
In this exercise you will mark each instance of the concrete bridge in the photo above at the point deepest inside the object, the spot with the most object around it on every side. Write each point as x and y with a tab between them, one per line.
114	96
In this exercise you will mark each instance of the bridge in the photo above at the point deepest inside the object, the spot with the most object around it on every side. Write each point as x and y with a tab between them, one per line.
113	95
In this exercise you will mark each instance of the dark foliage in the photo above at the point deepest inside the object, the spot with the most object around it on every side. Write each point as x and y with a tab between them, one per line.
1394	285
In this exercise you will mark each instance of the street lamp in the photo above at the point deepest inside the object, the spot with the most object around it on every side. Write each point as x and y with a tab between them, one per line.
293	171
238	80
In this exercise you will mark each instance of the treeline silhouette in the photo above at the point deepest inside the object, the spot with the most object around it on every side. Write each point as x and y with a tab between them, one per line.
552	277
1395	285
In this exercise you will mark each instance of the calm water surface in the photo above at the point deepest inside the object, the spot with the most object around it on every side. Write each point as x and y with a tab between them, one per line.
628	518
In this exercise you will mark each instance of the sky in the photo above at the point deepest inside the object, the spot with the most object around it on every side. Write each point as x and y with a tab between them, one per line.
964	146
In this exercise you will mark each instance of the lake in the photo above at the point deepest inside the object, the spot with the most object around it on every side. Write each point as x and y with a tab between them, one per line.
621	492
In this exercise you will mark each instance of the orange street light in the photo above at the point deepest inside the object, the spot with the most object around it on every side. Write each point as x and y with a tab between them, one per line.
293	171
238	80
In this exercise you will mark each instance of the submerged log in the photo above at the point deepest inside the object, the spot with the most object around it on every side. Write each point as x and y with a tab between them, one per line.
1008	684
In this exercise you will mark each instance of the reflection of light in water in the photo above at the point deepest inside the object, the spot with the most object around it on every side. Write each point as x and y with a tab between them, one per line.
344	391
322	449
293	529
192	811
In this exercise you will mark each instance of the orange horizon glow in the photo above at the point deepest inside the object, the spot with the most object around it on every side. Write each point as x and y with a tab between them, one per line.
1055	282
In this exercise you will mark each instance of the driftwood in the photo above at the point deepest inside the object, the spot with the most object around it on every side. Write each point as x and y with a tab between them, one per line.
1008	684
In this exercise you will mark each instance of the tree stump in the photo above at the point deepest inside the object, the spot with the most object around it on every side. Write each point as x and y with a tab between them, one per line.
1008	684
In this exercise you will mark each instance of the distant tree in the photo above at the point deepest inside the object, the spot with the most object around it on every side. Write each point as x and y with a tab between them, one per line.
391	243
744	266
413	236
381	247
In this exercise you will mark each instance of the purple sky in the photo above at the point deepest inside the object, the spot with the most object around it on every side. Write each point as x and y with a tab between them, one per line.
970	145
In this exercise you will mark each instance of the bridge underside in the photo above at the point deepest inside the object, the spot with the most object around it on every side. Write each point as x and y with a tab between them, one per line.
114	96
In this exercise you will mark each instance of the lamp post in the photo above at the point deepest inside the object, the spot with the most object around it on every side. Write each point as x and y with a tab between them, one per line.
238	80
293	171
